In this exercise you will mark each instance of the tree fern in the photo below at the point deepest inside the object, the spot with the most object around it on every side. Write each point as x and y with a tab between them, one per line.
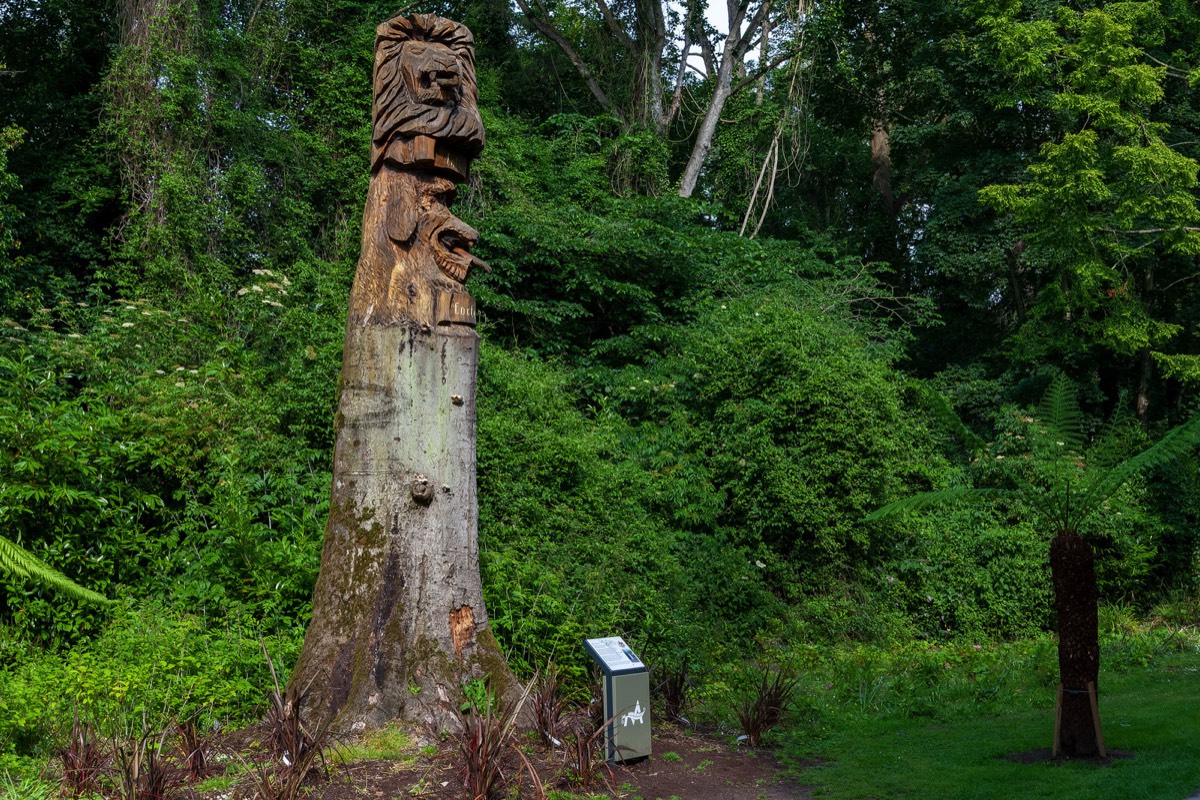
1063	490
1177	443
938	406
940	497
19	562
1060	416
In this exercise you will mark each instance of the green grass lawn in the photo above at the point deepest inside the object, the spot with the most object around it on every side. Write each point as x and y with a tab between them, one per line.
1151	712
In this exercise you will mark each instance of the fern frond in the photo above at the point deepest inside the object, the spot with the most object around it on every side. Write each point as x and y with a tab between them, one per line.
941	497
938	406
1060	415
1177	442
19	562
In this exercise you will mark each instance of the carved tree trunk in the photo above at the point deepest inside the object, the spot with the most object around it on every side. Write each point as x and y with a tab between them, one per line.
1073	571
398	617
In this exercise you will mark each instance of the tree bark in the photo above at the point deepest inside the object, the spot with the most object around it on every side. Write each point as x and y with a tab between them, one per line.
1073	571
708	129
733	53
399	622
881	160
1146	366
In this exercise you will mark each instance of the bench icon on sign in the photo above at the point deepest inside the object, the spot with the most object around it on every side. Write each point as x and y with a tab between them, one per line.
635	715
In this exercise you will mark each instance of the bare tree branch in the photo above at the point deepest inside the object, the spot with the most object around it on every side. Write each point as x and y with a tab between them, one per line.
1163	230
614	26
771	159
573	56
684	53
755	23
706	49
1184	279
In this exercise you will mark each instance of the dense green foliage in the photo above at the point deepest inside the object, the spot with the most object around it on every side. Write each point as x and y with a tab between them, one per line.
680	428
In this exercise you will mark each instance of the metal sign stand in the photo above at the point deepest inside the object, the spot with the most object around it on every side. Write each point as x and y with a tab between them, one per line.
626	699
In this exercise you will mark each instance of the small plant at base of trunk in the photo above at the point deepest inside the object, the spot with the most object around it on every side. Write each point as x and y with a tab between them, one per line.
770	699
144	772
485	736
195	758
595	706
297	748
482	743
674	688
582	763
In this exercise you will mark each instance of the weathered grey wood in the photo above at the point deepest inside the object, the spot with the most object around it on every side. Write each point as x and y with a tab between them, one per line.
399	605
399	622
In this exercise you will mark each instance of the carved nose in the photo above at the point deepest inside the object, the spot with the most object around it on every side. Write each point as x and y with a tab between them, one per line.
455	228
447	79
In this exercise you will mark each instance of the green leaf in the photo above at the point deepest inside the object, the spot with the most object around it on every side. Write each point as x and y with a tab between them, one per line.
941	497
945	414
1176	443
17	561
1060	414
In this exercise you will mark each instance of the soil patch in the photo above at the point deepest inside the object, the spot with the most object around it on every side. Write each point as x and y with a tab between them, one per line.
684	766
697	768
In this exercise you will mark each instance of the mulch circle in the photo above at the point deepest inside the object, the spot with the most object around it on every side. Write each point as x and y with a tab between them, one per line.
1045	755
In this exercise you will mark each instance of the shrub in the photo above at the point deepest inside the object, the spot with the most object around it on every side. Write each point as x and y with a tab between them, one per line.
151	659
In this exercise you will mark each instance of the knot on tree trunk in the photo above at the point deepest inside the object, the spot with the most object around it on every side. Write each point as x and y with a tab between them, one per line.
422	490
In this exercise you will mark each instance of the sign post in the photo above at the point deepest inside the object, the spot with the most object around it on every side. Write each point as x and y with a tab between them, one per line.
626	694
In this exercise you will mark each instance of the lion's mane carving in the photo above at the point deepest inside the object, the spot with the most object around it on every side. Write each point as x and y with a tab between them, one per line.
425	85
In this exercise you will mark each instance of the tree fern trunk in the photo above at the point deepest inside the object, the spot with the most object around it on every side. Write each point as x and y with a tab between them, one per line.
1072	568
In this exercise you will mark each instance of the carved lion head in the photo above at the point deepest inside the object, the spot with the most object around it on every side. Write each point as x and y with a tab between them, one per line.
425	84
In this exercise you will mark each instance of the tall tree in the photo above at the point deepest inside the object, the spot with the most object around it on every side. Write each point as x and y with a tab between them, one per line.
1110	208
53	56
647	32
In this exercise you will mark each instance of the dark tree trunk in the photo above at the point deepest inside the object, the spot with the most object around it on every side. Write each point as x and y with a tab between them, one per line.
1072	568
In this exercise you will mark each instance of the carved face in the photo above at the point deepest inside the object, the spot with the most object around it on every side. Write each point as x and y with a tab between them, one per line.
452	241
432	70
425	83
421	215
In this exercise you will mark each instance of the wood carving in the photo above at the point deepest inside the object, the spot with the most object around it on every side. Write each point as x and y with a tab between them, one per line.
426	110
413	247
398	616
426	131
